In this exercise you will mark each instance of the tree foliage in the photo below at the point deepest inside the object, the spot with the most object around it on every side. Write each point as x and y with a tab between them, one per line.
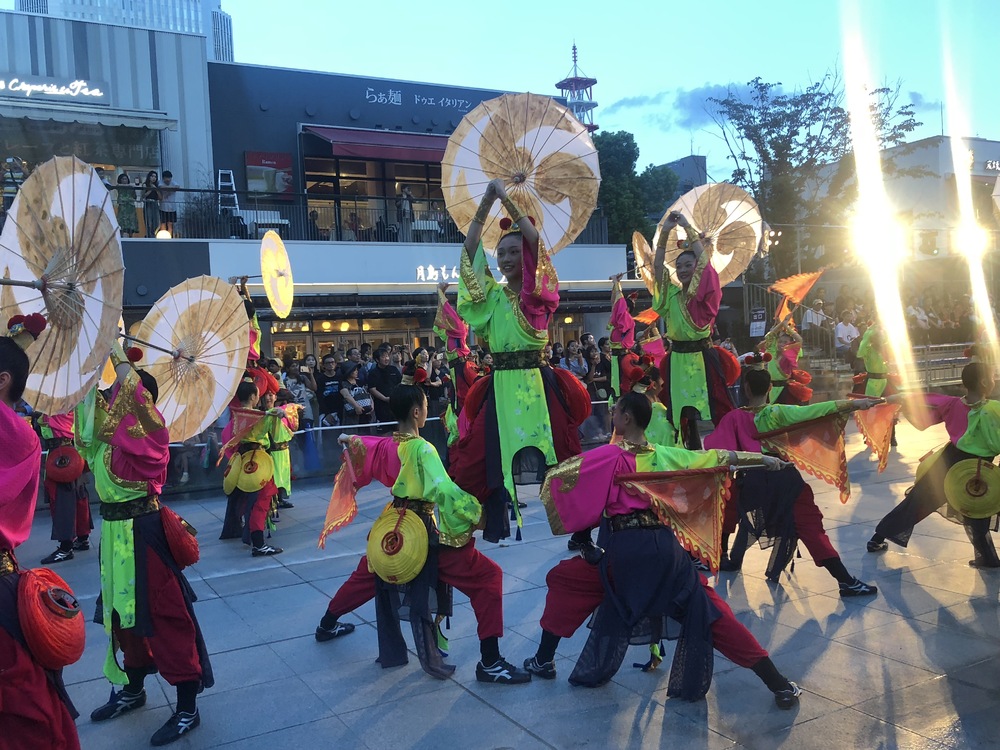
621	193
658	185
790	152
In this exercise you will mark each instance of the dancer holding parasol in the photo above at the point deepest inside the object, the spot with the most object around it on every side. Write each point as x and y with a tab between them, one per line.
530	155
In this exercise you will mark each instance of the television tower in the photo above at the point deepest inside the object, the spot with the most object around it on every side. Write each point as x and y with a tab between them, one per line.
579	92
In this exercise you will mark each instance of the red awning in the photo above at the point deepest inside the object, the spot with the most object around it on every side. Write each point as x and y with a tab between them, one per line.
382	144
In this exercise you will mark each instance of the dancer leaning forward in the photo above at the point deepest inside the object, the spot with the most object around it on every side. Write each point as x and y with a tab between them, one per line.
644	578
419	588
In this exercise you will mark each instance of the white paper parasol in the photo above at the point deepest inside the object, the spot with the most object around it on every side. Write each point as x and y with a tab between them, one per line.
60	256
730	219
276	273
545	157
202	324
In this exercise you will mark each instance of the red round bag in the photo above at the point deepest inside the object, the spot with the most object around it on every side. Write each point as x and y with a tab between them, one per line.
50	618
180	538
731	369
64	464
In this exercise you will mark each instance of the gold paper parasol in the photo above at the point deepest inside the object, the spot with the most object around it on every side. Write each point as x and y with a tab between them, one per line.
202	324
643	254
276	272
545	157
60	256
972	487
730	219
108	374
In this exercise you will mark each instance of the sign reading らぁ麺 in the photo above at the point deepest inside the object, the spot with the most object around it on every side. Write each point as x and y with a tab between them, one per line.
52	89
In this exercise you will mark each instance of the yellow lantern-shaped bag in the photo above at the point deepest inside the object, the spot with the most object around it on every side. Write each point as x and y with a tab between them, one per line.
397	545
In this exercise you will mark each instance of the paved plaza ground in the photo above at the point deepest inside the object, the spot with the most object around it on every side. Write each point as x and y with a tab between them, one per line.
916	667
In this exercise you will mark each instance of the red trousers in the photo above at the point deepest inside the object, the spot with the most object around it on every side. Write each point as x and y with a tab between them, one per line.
32	716
465	568
258	512
576	590
172	648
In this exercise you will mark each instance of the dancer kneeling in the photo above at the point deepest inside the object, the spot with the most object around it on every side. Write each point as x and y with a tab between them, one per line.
645	577
412	468
778	509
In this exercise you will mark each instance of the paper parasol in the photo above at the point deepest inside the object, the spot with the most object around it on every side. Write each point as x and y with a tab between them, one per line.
108	374
276	272
203	324
545	157
730	219
643	254
60	256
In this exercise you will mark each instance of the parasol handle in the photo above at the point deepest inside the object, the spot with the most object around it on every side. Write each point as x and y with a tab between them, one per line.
172	352
36	284
235	279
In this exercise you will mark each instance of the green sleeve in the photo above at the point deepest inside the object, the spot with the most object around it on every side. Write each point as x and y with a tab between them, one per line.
476	289
777	416
678	459
982	438
422	476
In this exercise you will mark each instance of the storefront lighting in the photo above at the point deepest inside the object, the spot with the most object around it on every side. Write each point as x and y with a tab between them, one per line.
345	326
163	234
366	326
304	328
568	319
327	325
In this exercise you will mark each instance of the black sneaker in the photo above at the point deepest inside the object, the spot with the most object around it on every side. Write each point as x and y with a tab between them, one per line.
120	703
875	546
981	564
264	550
546	671
502	673
338	629
787	698
60	555
284	505
81	545
177	725
857	588
574	545
728	565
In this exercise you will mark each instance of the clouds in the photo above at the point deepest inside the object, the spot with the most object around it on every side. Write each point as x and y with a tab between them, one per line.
674	109
922	104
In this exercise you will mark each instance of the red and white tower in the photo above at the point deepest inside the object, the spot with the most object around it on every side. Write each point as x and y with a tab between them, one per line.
579	92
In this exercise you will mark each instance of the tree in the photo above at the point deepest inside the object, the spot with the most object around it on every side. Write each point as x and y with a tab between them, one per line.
621	195
658	185
791	153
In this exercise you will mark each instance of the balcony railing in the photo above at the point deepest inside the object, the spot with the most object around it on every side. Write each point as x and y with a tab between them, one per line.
210	214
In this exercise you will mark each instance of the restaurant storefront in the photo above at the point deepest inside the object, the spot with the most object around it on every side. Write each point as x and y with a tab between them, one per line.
126	100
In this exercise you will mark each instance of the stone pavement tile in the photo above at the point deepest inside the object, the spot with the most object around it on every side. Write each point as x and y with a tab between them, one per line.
253	578
321	733
202	589
908	599
979	617
93	693
846	728
844	674
329	587
280	613
825	616
748	593
336	560
305	654
958	578
132	730
922	645
935	548
894	561
222	628
229	558
981	674
91	664
740	707
346	687
450	717
952	713
247	712
254	665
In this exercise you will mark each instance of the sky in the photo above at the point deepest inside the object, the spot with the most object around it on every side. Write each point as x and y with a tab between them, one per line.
656	62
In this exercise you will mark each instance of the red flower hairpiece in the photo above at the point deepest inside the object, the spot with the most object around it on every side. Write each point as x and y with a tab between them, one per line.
420	376
134	353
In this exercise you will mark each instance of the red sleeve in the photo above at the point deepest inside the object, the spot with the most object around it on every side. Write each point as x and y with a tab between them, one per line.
704	305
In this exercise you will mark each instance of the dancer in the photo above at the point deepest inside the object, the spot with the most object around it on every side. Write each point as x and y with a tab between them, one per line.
245	439
524	416
455	333
35	711
65	488
622	328
980	438
147	603
778	509
644	577
694	383
411	467
789	383
284	430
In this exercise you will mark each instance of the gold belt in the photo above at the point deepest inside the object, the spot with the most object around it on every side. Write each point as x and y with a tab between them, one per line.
130	508
8	564
640	519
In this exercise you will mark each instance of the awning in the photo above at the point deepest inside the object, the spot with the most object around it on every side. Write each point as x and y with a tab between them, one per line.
94	115
381	144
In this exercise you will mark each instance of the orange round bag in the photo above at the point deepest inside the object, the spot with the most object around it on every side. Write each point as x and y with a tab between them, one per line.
64	464
50	618
180	538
